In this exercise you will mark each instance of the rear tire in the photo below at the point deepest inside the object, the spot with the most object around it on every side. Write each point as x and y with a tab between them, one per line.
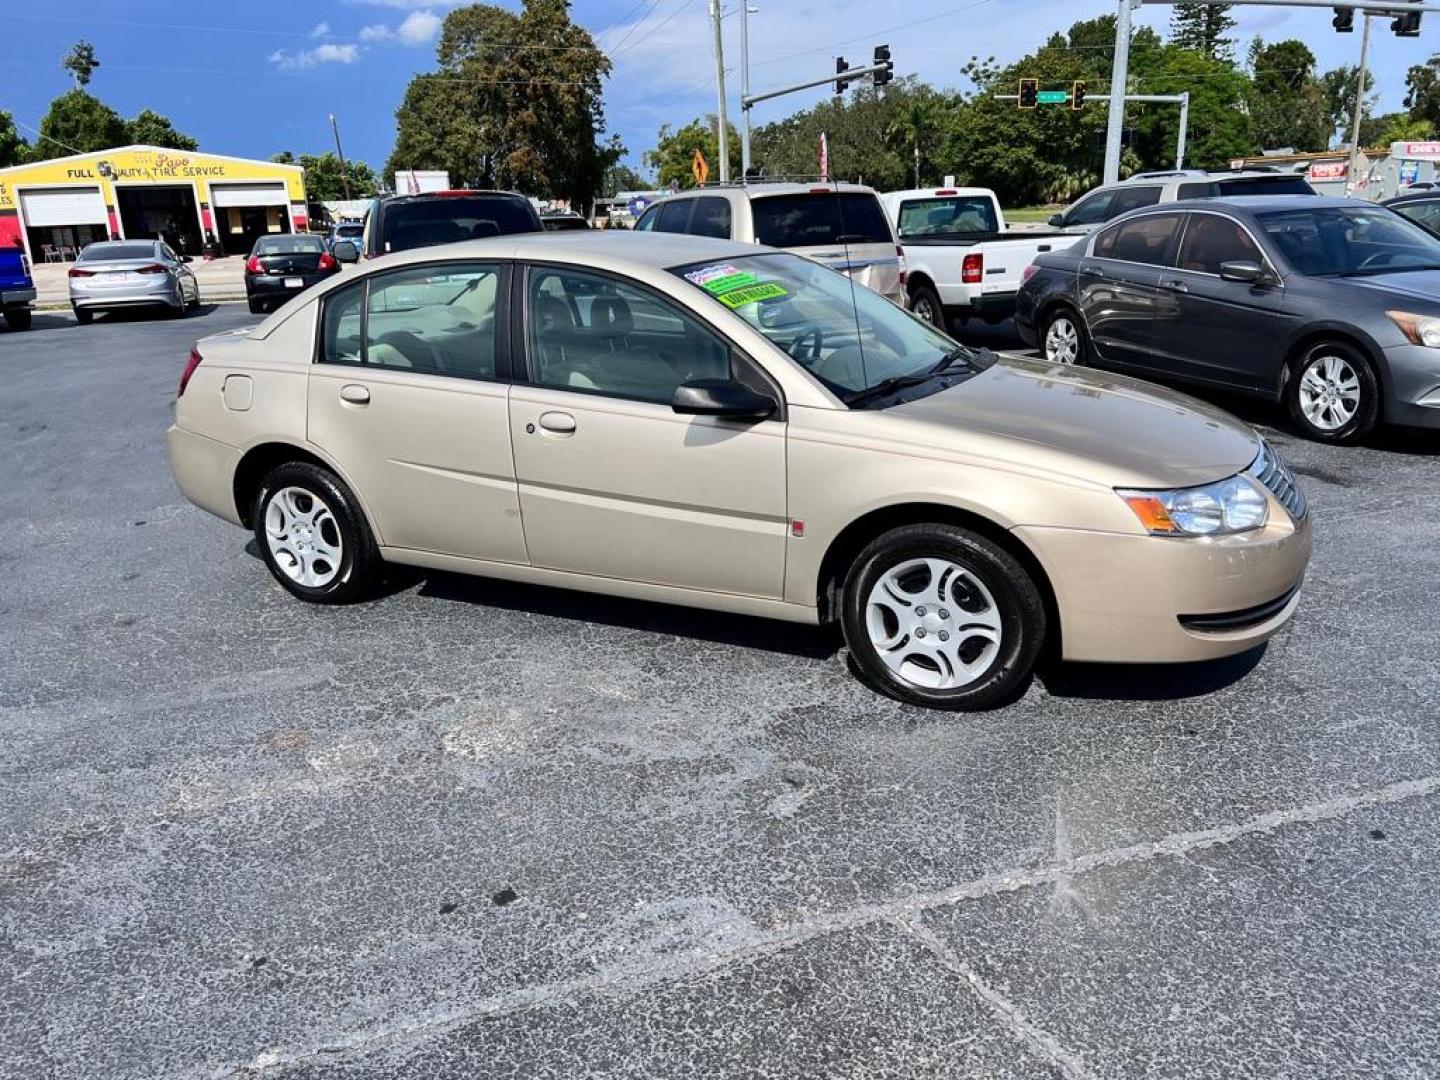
1063	339
925	304
19	318
1334	396
84	316
313	535
256	307
940	616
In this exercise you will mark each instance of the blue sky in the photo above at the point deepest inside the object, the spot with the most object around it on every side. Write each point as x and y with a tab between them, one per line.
253	78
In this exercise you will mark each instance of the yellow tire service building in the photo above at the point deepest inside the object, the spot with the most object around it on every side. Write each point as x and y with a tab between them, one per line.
54	208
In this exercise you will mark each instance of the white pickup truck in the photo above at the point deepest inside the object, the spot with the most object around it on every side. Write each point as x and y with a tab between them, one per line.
961	263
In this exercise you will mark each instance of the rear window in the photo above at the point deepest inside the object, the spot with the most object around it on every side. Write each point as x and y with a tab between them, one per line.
350	230
415	223
951	215
564	224
289	245
812	220
118	251
1266	185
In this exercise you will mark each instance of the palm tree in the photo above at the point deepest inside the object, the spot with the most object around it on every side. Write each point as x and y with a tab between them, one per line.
918	120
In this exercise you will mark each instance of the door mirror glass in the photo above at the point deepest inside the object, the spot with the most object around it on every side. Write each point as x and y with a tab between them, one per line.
1242	271
345	252
186	258
1057	220
723	398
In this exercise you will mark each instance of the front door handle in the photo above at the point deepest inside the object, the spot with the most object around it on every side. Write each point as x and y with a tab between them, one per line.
355	394
1177	285
558	422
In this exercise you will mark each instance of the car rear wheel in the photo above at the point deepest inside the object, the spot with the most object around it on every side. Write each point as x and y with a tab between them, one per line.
18	318
313	536
82	316
939	616
257	307
925	304
1063	340
1334	396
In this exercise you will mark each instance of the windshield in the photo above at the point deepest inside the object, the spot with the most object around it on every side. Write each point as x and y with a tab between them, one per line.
1266	185
1351	241
954	215
107	251
851	339
816	219
451	219
289	245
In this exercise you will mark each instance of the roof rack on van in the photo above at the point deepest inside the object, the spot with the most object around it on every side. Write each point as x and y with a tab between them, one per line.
1162	174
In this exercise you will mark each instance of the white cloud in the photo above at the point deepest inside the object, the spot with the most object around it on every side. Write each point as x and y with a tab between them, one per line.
419	27
309	58
322	29
376	32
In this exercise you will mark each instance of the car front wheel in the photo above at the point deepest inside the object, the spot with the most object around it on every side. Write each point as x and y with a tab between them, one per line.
1062	340
313	536
1334	396
939	616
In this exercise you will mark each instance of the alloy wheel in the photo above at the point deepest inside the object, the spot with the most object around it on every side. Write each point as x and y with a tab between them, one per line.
303	537
1062	341
1329	392
933	623
923	309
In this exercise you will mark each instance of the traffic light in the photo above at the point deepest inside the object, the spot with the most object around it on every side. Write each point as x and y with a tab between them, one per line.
840	68
882	56
1407	25
1029	93
1344	21
1077	94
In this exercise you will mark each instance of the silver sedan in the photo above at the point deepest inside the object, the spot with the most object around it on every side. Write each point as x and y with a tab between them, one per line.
131	273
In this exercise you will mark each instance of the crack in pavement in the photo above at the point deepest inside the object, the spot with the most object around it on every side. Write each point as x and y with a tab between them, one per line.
903	911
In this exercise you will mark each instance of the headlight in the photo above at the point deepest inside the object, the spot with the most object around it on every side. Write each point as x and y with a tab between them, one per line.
1420	329
1230	506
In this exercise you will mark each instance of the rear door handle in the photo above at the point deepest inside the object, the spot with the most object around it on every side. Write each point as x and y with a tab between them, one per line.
355	394
558	422
1093	271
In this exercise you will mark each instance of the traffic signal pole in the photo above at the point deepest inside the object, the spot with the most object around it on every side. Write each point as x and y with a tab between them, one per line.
723	130
1352	171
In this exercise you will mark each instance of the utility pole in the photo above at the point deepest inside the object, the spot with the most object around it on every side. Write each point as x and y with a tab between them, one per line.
1353	171
723	131
1119	76
344	169
744	88
1184	130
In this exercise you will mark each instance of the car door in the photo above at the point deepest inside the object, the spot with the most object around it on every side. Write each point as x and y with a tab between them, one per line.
1119	286
1230	332
408	398
613	482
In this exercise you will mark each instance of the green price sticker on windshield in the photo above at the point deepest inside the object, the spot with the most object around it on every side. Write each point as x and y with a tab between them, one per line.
752	295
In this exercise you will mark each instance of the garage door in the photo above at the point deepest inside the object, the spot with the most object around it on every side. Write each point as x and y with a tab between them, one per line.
63	206
248	194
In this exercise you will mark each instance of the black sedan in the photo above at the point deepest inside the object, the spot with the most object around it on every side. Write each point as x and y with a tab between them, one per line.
1331	306
281	266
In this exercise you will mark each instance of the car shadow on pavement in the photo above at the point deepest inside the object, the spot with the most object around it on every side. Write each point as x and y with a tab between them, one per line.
1147	682
792	639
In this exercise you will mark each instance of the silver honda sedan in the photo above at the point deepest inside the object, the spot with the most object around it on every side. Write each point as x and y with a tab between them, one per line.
131	273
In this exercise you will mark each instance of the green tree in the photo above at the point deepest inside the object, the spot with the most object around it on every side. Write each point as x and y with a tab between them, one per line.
149	128
674	151
14	150
1287	104
1396	127
1422	91
1338	87
284	157
916	129
622	178
1203	28
324	179
81	63
78	123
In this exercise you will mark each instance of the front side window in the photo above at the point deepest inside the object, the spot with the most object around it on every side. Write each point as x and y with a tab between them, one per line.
1426	213
436	320
594	334
1145	240
1127	199
1211	241
1091	210
948	216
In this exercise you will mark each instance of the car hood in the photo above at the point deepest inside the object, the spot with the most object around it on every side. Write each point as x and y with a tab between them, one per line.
1412	284
1093	426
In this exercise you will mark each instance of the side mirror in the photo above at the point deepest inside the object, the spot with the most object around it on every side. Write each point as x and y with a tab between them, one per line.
345	252
186	258
1246	272
1057	220
723	398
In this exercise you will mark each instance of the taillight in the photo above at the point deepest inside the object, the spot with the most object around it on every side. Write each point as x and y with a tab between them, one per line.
253	265
190	366
972	270
327	261
75	271
153	268
25	265
1028	273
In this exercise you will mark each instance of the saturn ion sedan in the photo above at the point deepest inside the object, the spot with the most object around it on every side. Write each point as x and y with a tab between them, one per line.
693	421
131	273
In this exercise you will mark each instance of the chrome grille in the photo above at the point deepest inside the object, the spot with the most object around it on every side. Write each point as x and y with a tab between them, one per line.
1270	469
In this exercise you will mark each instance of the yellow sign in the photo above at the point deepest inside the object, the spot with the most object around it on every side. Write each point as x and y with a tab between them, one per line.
699	168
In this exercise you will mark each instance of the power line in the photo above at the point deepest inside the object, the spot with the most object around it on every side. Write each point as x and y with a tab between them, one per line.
654	29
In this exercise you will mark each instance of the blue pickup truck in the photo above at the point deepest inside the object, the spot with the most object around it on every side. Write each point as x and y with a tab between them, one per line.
17	288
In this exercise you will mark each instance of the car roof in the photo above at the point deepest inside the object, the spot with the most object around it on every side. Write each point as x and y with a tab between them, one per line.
1427	195
1249	204
617	250
449	193
761	189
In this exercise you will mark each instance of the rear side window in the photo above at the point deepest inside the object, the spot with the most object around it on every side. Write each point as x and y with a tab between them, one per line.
408	224
1267	185
1426	213
1196	191
711	218
1145	241
809	220
956	215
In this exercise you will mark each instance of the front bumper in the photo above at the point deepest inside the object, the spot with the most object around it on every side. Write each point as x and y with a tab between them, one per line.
17	297
204	471
1150	599
1412	390
88	293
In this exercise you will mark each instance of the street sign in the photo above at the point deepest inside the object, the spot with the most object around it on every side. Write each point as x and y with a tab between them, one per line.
1052	97
699	168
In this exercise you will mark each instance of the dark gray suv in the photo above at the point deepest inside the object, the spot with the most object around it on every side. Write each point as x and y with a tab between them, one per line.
1331	306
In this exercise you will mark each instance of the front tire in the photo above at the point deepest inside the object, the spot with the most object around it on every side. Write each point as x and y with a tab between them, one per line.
19	318
313	535
1063	339
925	304
939	616
1334	396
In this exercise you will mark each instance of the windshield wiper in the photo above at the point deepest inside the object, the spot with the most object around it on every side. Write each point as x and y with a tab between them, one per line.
957	358
1370	271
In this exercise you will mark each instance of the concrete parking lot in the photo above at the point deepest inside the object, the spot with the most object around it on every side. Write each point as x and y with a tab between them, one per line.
472	829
